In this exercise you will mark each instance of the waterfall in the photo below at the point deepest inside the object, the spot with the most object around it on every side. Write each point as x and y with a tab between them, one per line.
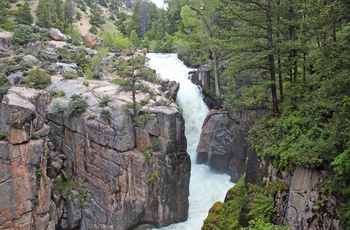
206	187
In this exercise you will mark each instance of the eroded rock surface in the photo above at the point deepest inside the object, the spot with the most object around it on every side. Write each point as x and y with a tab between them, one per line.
222	145
24	187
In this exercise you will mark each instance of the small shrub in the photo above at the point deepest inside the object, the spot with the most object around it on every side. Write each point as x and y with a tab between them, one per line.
45	149
37	79
2	135
35	136
58	108
70	76
58	94
93	30
153	177
147	151
104	101
4	85
141	119
156	146
39	172
105	114
76	105
85	83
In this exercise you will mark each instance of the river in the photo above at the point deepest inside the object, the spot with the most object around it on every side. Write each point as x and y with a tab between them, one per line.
206	187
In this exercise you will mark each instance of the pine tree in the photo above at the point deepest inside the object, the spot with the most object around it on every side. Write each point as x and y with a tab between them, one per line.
23	15
43	14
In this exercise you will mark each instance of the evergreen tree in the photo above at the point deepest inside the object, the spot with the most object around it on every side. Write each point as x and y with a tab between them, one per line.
96	17
23	15
43	14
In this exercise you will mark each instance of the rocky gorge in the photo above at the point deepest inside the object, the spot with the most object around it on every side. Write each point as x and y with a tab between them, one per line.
102	170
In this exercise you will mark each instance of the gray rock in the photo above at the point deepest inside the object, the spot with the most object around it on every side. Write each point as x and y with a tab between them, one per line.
73	210
37	46
56	35
91	40
5	41
49	56
15	78
31	59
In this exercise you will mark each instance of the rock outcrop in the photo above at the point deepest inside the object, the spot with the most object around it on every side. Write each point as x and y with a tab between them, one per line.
25	189
91	39
127	187
57	35
222	144
90	171
5	41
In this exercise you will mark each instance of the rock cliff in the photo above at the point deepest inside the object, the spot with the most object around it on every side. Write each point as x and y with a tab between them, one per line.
99	169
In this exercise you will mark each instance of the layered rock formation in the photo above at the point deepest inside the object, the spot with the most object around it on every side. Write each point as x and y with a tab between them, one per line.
24	187
95	170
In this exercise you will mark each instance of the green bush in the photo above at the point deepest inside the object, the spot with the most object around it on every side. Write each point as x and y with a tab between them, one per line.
23	34
105	114
36	78
104	101
35	136
2	135
76	106
4	85
93	30
85	83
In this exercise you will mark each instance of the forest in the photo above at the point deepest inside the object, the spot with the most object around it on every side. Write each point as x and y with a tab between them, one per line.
289	59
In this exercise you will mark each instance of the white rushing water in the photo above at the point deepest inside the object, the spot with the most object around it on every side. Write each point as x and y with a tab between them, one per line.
206	187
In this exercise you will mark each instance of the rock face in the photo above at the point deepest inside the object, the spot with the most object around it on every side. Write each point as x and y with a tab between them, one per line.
125	186
24	187
5	41
307	207
222	145
89	171
91	39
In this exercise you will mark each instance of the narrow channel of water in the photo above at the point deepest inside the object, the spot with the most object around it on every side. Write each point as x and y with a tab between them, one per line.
206	187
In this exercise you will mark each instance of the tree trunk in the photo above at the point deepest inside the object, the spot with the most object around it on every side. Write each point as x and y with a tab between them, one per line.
271	58
216	76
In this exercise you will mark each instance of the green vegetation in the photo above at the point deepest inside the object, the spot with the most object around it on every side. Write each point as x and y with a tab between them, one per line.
105	114
23	15
143	118
35	136
153	177
104	101
36	78
147	151
76	106
23	34
4	85
2	135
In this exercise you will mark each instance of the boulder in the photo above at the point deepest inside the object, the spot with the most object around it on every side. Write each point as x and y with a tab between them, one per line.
49	56
91	40
52	46
15	78
37	46
170	89
31	59
56	35
5	41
